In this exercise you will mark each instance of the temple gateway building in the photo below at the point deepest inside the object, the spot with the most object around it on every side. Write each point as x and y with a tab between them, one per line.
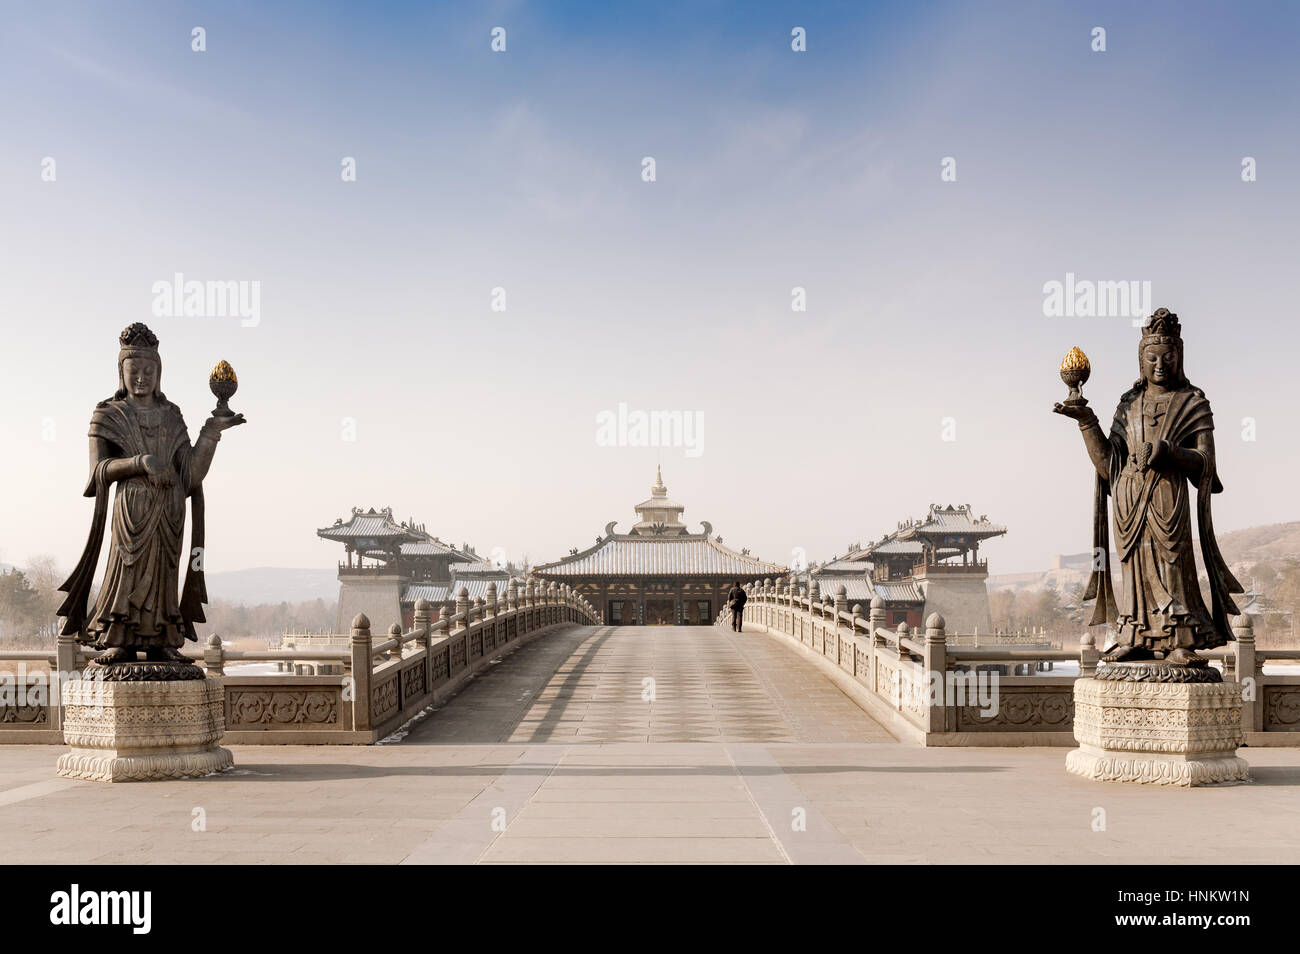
390	565
658	573
925	566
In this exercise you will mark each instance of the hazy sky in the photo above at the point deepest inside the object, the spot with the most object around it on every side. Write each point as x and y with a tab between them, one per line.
522	170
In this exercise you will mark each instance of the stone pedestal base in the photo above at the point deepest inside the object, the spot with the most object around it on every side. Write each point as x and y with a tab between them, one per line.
1161	733
143	731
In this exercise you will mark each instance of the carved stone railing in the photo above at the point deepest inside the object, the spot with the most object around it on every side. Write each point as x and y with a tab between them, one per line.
378	687
29	694
1270	708
926	689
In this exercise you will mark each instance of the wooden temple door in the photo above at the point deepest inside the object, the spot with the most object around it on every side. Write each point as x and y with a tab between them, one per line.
660	612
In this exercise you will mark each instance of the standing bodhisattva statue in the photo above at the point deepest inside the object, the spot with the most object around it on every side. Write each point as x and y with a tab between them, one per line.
1161	438
138	441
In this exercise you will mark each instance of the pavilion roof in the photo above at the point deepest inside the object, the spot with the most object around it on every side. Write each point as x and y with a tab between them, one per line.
897	591
947	531
860	589
446	592
480	568
857	589
431	548
845	566
366	525
892	546
684	555
433	592
424	545
951	522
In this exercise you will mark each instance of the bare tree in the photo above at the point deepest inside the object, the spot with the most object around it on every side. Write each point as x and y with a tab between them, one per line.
45	577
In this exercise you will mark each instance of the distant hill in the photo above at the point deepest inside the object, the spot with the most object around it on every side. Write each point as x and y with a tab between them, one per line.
272	584
1242	549
1257	544
1058	579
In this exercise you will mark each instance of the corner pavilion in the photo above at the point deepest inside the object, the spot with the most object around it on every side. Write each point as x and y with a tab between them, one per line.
406	564
925	566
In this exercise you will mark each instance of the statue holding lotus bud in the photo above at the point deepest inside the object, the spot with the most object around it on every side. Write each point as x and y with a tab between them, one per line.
139	442
1160	444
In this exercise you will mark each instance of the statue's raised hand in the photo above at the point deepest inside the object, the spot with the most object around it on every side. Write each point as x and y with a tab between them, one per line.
223	423
1077	412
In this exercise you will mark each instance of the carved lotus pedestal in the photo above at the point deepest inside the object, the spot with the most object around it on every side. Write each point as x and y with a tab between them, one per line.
137	727
1157	724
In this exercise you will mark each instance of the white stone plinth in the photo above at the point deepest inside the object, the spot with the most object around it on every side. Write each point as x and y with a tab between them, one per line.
1161	733
143	731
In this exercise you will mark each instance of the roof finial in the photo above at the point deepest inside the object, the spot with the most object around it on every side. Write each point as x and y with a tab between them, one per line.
659	490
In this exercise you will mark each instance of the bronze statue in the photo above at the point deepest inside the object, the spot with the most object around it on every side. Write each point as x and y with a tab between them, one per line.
138	440
1161	438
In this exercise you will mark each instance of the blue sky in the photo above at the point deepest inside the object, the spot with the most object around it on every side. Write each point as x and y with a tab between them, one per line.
522	170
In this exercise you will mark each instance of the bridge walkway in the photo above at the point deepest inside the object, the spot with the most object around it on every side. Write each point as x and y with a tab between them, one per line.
650	684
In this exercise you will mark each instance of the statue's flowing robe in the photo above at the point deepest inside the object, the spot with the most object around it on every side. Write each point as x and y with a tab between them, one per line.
137	603
1160	605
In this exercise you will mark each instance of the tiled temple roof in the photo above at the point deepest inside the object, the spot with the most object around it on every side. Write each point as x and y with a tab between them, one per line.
431	548
479	568
946	530
374	533
944	521
368	525
897	591
859	589
657	547
845	566
695	555
433	592
444	592
856	589
892	546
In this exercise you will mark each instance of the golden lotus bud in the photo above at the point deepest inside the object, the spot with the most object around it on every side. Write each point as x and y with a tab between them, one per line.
1074	360
224	372
1074	372
223	384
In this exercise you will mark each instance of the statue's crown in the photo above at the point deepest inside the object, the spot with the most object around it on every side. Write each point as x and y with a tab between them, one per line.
1163	323
138	337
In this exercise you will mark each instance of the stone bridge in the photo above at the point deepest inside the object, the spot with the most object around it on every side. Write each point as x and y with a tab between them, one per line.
560	739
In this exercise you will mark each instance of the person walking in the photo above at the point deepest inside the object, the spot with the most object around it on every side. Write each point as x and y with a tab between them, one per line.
736	598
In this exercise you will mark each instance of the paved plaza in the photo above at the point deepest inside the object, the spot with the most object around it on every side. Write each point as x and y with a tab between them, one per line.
644	744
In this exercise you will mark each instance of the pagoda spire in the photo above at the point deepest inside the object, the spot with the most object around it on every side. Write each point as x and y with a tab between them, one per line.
659	514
